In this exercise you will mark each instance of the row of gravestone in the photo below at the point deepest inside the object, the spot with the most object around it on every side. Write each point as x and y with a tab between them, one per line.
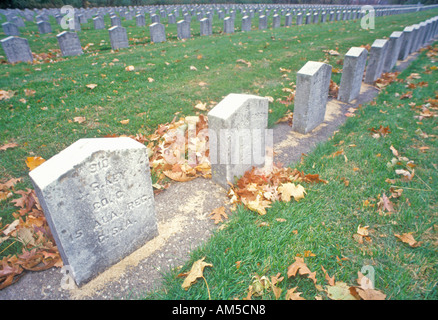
17	49
14	15
97	194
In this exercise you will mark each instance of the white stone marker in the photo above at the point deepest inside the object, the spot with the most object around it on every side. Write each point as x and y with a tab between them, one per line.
98	201
237	136
313	81
352	73
394	45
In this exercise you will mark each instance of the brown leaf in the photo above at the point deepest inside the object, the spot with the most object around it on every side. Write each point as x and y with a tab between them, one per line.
195	273
79	119
330	281
300	267
217	215
8	145
409	239
292	295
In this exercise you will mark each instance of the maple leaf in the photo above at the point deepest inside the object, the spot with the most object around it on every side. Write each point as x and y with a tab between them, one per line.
300	267
288	190
195	272
6	95
331	281
340	291
292	295
386	204
217	215
79	119
33	162
409	239
258	205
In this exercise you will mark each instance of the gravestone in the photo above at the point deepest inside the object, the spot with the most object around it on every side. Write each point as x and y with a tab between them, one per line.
315	17
118	37
115	21
205	27
140	20
228	25
276	21
263	22
171	19
308	18
415	36
99	23
237	136
98	200
183	29
287	20
246	23
313	81
157	32
299	19
69	43
406	44
376	60
155	18
17	49
394	45
352	73
10	29
44	27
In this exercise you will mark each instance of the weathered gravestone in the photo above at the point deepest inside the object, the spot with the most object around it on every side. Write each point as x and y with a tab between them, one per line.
352	73
288	20
313	81
157	32
376	60
228	25
17	49
205	27
276	21
140	20
299	19
394	45
98	200
115	21
10	29
69	43
183	29
44	27
99	23
118	37
246	23
237	136
263	22
407	42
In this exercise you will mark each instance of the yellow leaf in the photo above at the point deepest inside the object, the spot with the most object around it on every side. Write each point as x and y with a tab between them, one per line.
292	295
130	68
126	121
195	273
79	119
201	106
258	205
288	190
33	162
409	239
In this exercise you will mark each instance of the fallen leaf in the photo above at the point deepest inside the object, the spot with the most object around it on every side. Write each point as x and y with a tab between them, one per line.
126	121
91	86
217	215
409	239
245	62
6	95
33	162
79	119
195	273
129	68
292	295
340	291
330	281
8	146
288	190
300	267
193	68
201	106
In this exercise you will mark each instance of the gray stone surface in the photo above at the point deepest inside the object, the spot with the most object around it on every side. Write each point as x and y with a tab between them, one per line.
157	32
407	42
69	43
98	200
299	19
10	29
394	45
140	20
99	23
228	25
115	21
288	20
118	37
313	81
376	60
183	29
246	23
276	21
263	22
17	49
237	128
352	73
205	27
44	27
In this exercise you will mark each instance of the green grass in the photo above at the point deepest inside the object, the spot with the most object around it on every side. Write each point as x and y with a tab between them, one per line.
327	218
43	125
